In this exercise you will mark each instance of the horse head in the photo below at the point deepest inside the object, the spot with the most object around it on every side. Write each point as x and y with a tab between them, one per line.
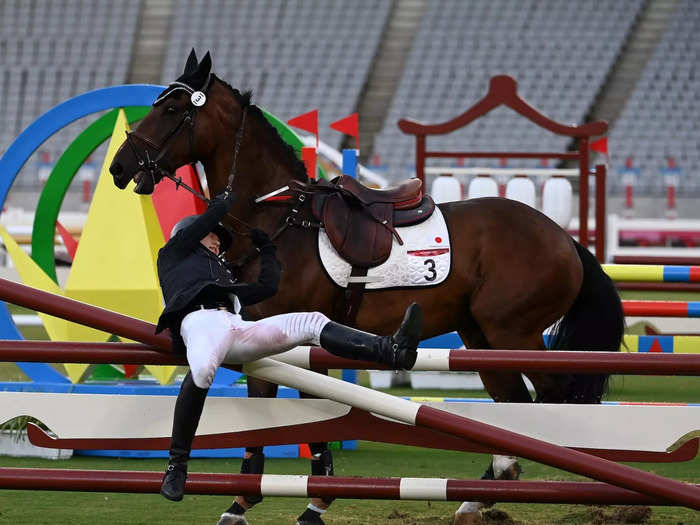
199	117
189	120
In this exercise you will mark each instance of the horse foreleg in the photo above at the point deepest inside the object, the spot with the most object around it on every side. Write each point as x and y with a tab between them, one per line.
321	465
253	460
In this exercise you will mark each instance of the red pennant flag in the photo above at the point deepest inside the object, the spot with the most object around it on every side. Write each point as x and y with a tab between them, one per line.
308	122
349	125
601	146
68	240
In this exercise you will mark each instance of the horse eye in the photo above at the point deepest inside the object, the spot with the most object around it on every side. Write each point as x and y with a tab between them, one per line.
171	109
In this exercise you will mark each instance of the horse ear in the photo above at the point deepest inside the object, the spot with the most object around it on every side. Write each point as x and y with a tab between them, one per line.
191	64
204	67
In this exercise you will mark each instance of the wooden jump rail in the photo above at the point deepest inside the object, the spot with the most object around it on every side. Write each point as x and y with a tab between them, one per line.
420	415
434	489
315	358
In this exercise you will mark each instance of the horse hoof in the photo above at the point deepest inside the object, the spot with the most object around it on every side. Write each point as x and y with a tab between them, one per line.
512	473
232	519
468	518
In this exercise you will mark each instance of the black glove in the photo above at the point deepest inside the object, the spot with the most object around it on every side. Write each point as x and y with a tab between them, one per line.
260	238
227	197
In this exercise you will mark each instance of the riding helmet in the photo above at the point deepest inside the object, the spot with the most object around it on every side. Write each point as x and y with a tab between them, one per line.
221	231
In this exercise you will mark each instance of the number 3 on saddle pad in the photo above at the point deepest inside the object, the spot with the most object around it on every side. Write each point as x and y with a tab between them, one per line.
423	260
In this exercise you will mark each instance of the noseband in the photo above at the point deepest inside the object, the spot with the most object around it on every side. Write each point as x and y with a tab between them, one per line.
150	167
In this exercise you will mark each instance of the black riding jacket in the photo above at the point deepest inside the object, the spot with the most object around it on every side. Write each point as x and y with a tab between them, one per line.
189	272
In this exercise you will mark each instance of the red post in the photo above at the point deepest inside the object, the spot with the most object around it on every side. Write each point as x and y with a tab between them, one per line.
87	190
600	216
583	192
420	158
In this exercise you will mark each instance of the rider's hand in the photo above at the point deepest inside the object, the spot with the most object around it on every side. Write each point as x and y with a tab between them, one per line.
228	197
259	238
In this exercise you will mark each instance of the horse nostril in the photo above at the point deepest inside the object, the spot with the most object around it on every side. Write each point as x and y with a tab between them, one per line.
115	169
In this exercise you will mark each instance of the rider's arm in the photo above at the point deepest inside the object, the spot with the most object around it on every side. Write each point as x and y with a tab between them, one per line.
268	281
188	238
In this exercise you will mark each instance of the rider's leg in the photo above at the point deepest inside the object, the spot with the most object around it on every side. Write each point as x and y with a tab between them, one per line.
250	341
204	333
188	409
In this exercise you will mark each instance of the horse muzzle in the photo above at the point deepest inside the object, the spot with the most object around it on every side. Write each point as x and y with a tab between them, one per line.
145	183
120	178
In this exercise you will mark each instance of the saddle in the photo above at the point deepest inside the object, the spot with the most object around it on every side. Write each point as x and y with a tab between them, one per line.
360	222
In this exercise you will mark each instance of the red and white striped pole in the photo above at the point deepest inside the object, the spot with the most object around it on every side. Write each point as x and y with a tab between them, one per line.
435	489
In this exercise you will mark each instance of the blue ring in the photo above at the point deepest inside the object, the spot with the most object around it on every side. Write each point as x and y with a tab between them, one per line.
60	116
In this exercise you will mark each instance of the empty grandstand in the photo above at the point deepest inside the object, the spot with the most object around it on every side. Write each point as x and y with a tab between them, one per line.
298	55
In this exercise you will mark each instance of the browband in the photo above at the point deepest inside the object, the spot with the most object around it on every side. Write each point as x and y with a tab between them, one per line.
180	86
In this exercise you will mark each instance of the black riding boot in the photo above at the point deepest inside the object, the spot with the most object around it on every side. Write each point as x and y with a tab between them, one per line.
188	409
397	351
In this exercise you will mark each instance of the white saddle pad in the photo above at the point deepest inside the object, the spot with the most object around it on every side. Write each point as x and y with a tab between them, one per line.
423	260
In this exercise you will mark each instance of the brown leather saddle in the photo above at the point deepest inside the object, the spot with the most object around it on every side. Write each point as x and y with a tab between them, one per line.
360	221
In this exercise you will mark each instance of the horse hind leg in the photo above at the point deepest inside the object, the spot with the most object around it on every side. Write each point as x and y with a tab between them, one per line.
501	468
502	387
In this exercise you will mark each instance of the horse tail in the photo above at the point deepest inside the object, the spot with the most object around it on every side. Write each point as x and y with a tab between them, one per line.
595	322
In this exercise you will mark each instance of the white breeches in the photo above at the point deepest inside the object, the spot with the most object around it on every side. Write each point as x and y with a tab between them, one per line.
215	336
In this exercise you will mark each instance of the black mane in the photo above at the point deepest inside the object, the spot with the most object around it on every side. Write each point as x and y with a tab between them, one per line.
286	151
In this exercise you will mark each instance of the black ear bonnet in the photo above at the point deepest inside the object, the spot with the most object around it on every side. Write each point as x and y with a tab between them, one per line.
195	77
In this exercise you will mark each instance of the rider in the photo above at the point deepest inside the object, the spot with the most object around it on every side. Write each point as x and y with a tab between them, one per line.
202	310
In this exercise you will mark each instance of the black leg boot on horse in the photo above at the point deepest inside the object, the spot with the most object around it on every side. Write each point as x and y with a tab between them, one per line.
188	410
253	463
398	350
321	465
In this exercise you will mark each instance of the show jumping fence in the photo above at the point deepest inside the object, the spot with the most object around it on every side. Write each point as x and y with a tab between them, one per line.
656	488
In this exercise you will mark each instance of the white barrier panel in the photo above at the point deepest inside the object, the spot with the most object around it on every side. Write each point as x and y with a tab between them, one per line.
653	428
521	188
482	186
446	188
557	196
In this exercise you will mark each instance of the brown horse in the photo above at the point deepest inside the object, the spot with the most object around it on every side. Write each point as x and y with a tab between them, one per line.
514	271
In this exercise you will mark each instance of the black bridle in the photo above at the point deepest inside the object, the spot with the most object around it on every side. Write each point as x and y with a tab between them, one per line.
155	171
151	168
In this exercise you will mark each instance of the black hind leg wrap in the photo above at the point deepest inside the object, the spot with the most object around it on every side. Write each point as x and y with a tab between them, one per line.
322	463
255	464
